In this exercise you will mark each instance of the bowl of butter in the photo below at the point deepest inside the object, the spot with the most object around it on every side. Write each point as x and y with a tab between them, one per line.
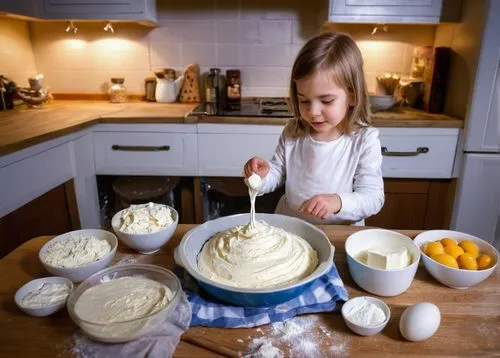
382	262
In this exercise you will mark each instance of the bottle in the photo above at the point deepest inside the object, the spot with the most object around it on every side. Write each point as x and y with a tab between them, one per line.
150	84
117	91
233	86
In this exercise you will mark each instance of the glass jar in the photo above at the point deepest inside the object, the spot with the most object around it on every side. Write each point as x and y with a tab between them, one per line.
117	91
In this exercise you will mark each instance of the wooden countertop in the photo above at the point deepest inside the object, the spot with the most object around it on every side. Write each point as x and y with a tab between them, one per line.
469	322
21	128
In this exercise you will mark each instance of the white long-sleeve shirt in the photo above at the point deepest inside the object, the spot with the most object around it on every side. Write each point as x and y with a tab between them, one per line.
349	166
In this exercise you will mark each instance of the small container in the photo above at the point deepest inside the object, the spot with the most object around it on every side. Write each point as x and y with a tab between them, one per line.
150	85
117	91
36	284
233	89
365	330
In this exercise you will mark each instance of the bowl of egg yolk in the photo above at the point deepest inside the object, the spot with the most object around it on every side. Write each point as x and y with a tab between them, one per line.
456	259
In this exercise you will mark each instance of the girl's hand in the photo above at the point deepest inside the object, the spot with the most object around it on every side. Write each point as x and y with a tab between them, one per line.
258	166
322	205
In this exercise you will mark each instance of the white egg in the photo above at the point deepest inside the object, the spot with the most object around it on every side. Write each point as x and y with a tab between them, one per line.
420	321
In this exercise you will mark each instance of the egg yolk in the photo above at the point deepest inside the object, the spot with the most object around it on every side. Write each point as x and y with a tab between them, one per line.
470	247
483	262
447	241
446	260
453	250
433	248
467	261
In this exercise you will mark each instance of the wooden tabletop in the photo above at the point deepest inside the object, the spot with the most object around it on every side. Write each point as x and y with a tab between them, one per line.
24	127
470	322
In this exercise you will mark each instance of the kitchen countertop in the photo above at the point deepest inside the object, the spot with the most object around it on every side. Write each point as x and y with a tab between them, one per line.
23	127
469	322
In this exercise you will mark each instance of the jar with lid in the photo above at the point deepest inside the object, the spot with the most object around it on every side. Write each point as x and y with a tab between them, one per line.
233	85
117	91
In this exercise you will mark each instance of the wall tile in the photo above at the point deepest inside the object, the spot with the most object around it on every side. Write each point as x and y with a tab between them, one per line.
202	54
275	32
228	55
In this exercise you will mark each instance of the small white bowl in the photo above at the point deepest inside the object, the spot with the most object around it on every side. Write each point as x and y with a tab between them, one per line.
378	281
80	273
34	285
449	276
148	243
365	330
382	102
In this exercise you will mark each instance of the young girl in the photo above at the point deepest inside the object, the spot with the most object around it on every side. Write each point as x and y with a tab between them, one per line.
328	156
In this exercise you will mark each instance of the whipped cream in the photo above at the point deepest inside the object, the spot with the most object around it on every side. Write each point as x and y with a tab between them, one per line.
46	295
76	251
145	218
263	256
254	183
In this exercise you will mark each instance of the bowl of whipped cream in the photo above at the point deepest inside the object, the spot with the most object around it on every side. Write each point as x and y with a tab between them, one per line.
79	254
145	227
124	302
257	259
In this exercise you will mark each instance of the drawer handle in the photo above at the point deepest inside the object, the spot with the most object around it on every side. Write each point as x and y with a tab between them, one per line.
420	150
141	148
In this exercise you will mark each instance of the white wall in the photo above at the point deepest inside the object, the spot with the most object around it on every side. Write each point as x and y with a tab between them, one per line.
16	54
260	37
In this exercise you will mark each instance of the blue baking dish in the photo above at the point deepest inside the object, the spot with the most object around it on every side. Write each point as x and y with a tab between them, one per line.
186	255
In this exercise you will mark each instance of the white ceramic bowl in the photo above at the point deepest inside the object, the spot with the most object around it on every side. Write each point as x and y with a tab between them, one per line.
449	276
146	243
382	102
378	281
365	330
124	331
80	273
36	284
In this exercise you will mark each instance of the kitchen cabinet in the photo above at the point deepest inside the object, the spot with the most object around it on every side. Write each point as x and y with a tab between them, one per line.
394	11
423	204
143	11
146	149
53	213
140	11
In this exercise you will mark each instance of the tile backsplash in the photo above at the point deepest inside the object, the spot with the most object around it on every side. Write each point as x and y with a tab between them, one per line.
260	37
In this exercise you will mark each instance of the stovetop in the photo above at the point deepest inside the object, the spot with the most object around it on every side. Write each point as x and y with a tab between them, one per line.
259	107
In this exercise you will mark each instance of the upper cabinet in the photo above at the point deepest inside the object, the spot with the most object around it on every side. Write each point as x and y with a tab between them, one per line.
394	11
140	11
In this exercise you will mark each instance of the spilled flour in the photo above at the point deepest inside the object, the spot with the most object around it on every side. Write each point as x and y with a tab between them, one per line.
302	336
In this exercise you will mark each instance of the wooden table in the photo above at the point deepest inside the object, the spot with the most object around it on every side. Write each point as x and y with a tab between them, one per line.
470	323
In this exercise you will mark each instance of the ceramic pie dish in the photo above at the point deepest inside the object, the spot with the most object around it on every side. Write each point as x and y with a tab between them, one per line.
186	255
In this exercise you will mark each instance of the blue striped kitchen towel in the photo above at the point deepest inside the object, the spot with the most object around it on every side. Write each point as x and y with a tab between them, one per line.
322	296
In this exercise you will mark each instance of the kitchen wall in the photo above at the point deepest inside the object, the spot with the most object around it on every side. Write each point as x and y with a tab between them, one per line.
260	37
17	61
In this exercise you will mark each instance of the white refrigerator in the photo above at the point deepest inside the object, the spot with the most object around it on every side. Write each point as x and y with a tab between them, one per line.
477	204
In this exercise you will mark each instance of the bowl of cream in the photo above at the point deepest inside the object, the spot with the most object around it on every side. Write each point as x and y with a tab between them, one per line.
259	261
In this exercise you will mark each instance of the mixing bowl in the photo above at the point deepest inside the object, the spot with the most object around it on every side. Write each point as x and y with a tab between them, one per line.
379	281
147	243
449	276
186	255
125	331
80	273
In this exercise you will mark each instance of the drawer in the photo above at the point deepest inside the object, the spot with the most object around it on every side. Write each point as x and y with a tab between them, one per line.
418	152
225	154
145	153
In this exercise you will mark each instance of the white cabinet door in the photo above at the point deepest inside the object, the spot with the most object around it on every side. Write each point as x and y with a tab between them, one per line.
393	11
478	198
136	10
483	121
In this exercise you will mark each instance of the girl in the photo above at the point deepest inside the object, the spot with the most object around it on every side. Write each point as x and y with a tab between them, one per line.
328	156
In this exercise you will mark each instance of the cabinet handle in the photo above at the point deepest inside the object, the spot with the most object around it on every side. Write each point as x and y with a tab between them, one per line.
420	150
141	148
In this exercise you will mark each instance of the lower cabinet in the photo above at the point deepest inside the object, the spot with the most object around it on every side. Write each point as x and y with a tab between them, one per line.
52	213
418	204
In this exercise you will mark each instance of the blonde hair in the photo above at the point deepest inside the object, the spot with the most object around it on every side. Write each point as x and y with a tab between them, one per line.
338	54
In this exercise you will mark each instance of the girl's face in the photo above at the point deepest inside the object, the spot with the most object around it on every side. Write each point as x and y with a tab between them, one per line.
322	104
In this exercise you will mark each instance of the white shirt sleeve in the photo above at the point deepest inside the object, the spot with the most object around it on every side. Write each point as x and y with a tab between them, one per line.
277	172
367	197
